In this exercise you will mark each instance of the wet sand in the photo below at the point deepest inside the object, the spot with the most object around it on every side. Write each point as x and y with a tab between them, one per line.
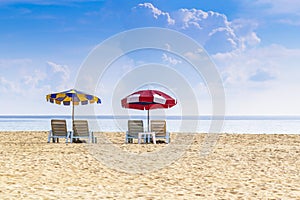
240	166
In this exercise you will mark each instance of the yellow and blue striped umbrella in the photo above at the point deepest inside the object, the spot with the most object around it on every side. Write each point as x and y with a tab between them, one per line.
73	96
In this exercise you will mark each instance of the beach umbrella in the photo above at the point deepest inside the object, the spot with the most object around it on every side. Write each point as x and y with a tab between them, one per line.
72	98
148	100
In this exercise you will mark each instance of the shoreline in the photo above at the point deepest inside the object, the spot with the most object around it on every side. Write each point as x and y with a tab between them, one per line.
251	166
172	132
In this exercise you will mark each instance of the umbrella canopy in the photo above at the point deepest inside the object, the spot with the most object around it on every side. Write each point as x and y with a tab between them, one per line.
74	96
148	100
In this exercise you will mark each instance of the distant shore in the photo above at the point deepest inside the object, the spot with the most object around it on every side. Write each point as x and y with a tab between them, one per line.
246	166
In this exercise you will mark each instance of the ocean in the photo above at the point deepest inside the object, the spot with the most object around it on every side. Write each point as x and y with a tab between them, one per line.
201	124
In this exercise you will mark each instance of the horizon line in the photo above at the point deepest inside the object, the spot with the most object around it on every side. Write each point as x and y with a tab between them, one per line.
170	117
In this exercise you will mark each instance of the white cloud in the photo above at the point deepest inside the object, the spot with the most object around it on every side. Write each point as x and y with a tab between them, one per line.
215	32
239	69
20	76
21	80
59	76
62	69
157	13
170	60
245	29
191	18
187	18
211	29
261	81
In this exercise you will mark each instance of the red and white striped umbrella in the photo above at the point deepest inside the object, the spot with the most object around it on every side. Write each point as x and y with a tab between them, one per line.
148	100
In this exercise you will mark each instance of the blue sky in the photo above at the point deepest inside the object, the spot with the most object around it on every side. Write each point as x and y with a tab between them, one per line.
254	44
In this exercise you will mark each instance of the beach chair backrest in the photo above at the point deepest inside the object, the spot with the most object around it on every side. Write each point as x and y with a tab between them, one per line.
81	128
159	127
135	127
59	127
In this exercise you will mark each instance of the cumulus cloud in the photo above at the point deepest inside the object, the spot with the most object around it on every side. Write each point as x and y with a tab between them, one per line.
155	12
215	32
188	18
246	33
211	29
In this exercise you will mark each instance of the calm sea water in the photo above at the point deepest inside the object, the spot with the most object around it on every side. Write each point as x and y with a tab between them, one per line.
231	124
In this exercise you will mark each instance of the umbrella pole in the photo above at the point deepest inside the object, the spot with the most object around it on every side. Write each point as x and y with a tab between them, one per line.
73	115
73	119
148	121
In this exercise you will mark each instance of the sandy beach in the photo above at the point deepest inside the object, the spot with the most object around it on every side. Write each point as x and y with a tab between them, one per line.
240	166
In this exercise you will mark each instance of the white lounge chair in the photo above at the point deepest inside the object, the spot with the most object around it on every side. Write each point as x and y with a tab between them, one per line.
134	128
58	130
81	131
160	129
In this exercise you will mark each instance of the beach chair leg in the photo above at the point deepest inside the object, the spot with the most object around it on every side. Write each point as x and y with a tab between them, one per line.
140	138
90	138
167	138
146	138
153	138
126	137
93	137
67	137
